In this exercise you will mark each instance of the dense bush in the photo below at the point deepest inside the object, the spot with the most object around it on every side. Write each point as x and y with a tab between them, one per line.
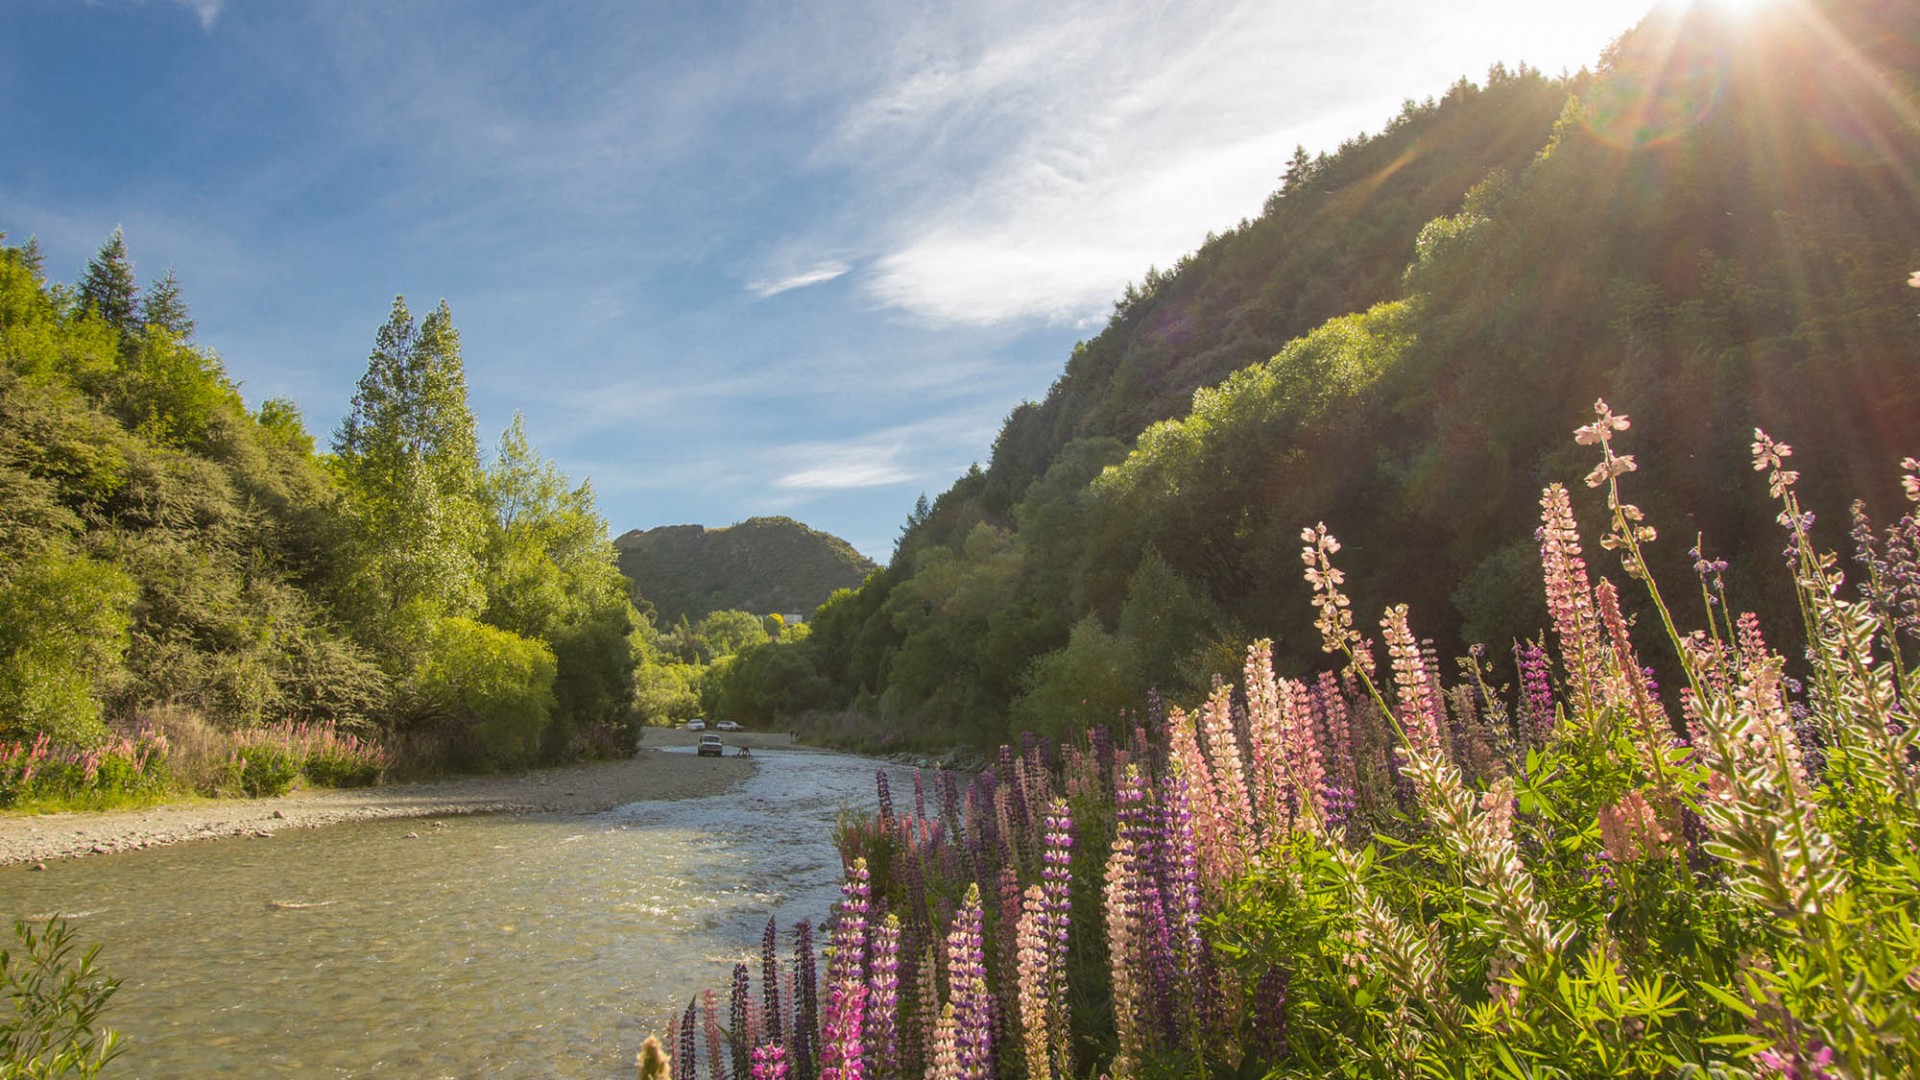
494	685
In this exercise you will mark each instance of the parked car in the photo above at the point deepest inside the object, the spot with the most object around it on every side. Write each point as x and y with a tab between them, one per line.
696	724
726	725
711	746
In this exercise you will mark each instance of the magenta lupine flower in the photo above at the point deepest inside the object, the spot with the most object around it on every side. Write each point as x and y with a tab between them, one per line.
971	1000
1797	1064
919	797
883	1002
683	1062
741	1026
770	985
770	1062
841	1048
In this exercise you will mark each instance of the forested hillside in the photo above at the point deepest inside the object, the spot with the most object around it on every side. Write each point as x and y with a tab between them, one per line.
1714	231
171	559
762	564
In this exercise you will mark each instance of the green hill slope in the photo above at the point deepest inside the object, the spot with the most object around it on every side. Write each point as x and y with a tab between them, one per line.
763	565
1714	234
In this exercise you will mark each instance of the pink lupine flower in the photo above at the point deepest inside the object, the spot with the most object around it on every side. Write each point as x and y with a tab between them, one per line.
1569	597
710	1011
1229	778
1419	712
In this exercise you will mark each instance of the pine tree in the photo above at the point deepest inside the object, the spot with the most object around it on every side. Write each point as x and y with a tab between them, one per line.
108	289
164	307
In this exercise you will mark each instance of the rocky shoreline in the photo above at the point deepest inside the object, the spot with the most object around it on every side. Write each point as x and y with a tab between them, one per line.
578	789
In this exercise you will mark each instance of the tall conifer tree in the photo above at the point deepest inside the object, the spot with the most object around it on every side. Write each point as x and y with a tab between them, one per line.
108	287
164	307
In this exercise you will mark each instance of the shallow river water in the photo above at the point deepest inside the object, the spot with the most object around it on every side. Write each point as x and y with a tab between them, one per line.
492	946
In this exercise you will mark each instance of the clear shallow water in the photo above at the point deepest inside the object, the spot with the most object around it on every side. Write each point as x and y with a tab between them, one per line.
496	946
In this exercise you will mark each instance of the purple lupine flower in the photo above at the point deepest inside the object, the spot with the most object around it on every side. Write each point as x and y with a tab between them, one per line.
883	1002
971	1000
770	986
1056	890
919	797
770	1062
737	1014
886	800
1270	1015
683	1062
950	805
1181	857
1536	692
806	1002
1102	751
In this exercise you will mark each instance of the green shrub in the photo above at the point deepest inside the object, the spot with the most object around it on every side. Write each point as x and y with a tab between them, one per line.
55	1001
495	685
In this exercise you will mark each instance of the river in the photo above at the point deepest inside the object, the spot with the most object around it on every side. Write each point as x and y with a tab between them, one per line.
535	946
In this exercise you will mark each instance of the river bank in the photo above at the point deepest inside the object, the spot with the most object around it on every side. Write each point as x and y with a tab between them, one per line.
577	789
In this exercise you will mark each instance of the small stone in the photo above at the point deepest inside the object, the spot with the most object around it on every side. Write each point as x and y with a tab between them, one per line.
281	814
100	849
38	866
411	836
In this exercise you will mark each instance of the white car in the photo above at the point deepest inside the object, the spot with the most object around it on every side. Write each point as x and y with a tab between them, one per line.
696	724
726	725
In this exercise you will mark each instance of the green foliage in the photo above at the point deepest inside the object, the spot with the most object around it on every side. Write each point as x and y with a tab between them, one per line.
63	630
1093	679
57	996
724	633
494	686
408	460
261	767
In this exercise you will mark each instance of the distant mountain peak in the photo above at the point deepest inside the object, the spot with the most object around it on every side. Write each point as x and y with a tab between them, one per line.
762	565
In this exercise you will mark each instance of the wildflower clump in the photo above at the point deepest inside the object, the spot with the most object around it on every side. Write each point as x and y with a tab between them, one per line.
1573	874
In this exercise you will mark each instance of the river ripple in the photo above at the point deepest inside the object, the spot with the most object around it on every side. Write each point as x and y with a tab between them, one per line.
528	946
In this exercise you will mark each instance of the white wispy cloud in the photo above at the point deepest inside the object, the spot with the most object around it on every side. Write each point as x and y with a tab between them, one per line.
813	275
206	10
1033	167
849	469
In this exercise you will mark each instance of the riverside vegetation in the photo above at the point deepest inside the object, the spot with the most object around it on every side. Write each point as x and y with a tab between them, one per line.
192	597
1384	873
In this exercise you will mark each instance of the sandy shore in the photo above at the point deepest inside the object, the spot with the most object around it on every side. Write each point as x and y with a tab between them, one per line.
576	789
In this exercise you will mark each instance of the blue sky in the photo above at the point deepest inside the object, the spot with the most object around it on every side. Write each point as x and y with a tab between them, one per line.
728	259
